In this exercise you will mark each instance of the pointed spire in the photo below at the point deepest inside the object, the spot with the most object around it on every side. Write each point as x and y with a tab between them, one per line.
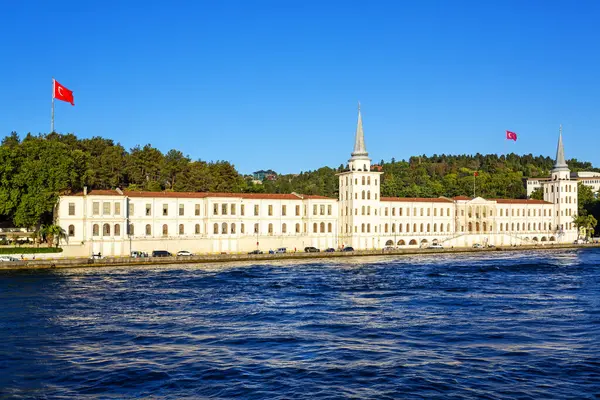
360	150
560	162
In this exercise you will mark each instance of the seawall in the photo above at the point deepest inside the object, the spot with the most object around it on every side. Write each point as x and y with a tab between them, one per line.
224	258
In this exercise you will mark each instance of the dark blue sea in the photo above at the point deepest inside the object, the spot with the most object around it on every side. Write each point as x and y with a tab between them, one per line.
485	326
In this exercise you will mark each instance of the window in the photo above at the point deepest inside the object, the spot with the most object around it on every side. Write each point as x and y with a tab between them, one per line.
71	230
329	210
421	212
314	209
428	212
400	211
216	229
224	228
270	211
117	230
322	209
322	225
196	209
223	209
242	228
106	208
95	230
148	210
363	194
215	209
363	180
435	212
96	208
242	210
181	229
130	230
165	210
297	228
256	228
106	230
232	228
232	209
298	208
165	229
256	209
131	209
283	210
270	229
368	180
362	228
284	228
315	229
71	208
117	208
197	229
148	230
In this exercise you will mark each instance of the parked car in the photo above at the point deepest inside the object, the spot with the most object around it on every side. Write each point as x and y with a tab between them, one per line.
311	249
348	248
255	252
329	250
96	256
8	259
389	248
490	246
579	241
281	250
184	253
436	246
477	246
161	253
138	254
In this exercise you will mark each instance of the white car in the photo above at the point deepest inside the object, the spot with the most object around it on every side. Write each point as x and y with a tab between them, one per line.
436	246
184	253
8	259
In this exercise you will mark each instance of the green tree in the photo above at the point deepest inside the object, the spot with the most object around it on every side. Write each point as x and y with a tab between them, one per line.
537	194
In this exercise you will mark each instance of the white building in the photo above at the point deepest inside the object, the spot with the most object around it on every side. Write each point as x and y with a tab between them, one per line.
115	222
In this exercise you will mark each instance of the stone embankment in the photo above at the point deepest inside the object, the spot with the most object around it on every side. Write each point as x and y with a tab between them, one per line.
217	258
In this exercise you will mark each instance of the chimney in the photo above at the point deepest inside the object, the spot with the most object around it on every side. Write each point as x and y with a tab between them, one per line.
85	190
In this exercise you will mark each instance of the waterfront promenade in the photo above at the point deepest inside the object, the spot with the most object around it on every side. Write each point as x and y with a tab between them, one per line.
228	258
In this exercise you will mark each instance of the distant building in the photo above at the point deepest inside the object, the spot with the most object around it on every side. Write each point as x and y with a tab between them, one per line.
588	178
116	222
261	175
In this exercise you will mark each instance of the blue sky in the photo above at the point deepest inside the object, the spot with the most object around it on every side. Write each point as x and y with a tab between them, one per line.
274	84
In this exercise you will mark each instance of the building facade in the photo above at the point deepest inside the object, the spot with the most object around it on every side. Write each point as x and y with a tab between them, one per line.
116	222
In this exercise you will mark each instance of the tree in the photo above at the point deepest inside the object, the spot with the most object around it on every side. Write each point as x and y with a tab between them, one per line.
585	225
585	198
537	194
52	232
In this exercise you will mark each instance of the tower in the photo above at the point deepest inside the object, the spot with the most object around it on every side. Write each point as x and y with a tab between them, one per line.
359	197
561	191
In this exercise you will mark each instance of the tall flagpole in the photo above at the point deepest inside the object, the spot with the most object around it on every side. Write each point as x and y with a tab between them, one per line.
52	119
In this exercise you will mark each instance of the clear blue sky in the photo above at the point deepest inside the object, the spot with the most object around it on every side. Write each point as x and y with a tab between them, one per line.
274	84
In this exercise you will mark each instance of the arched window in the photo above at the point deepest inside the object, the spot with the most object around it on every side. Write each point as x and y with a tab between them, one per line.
233	228
363	194
470	227
322	227
363	210
106	230
283	228
165	229
368	228
400	228
484	226
270	229
414	227
181	229
130	230
477	226
368	180
362	228
95	230
363	181
368	195
315	229
148	230
421	224
428	228
407	228
329	227
197	229
224	228
385	228
216	229
71	230
435	227
117	230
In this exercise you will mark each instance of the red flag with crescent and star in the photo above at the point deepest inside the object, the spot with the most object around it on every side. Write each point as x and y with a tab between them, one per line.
62	93
511	136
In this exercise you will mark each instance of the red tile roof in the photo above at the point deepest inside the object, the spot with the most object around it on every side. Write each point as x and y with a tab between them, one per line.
520	201
461	198
418	199
202	195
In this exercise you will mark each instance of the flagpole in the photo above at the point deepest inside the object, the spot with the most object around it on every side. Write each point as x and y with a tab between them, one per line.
474	177
52	119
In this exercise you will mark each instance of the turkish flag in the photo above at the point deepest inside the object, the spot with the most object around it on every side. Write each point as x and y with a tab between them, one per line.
511	136
62	93
475	173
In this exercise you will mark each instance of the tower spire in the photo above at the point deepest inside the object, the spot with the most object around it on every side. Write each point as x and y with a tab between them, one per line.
360	150
560	163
